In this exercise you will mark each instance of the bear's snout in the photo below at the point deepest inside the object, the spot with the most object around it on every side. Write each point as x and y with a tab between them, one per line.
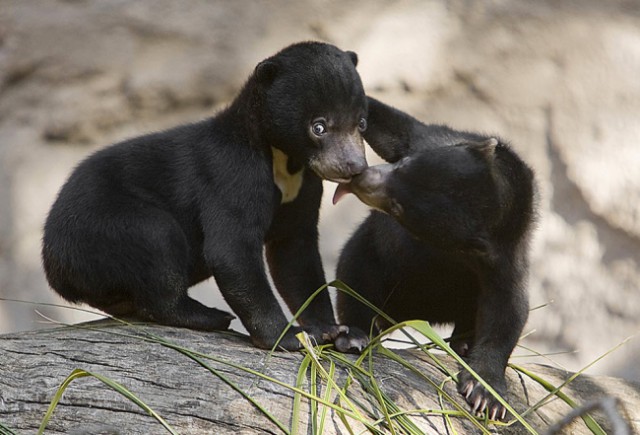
372	179
369	186
356	166
341	158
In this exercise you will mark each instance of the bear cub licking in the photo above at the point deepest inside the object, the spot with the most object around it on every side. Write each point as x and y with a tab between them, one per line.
139	222
447	243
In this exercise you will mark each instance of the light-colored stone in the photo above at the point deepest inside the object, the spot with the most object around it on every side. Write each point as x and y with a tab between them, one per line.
557	79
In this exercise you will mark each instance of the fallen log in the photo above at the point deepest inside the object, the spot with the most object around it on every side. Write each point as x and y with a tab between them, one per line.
217	383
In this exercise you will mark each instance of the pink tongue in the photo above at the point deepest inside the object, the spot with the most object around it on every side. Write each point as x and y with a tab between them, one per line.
341	191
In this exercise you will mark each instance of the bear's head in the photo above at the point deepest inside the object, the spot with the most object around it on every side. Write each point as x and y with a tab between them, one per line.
313	108
449	196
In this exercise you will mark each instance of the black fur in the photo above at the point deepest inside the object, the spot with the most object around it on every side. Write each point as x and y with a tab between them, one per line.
451	245
139	222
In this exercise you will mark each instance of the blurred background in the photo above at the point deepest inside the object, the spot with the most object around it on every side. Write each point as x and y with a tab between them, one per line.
559	79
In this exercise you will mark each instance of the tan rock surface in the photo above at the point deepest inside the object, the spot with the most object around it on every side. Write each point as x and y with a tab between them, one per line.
558	79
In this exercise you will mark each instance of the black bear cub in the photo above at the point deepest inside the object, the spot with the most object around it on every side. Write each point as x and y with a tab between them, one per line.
450	244
139	222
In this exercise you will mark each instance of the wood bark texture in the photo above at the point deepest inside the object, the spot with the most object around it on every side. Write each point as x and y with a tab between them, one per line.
193	400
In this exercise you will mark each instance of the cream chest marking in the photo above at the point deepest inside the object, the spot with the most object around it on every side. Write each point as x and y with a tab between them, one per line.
289	184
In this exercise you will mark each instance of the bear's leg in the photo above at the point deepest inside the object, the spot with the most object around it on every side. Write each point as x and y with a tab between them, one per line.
502	313
296	269
236	260
295	264
351	311
161	291
462	336
166	301
360	269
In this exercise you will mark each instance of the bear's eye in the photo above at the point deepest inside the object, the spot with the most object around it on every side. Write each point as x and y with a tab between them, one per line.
362	125
318	128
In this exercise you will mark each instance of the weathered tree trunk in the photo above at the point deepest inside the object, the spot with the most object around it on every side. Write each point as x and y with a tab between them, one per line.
192	399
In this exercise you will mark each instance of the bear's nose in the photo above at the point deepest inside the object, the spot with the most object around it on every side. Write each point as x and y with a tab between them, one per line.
355	167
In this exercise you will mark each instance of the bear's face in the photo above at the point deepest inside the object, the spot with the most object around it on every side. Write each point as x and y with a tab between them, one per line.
315	108
444	196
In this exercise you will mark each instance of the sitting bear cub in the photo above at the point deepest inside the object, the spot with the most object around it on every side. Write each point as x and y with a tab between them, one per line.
449	244
139	222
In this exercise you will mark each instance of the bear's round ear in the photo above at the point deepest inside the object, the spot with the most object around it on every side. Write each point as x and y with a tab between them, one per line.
266	71
480	246
486	149
354	57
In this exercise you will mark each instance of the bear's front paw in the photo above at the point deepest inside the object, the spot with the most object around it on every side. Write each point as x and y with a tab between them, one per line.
480	399
322	333
352	341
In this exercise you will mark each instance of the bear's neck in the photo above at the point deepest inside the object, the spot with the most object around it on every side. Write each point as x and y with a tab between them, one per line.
247	113
248	110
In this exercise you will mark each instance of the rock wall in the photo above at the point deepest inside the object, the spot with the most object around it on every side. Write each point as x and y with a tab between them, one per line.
558	79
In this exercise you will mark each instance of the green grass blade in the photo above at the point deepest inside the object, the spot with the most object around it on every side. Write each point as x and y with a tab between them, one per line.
544	305
297	314
379	395
546	357
235	387
357	415
556	391
341	411
356	372
462	411
78	373
388	406
425	329
132	397
340	357
260	375
393	418
313	389
327	396
4	430
593	425
56	398
375	400
297	397
406	412
447	419
341	286
423	347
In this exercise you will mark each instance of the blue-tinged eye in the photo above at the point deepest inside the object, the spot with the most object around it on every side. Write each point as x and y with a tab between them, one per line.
318	128
362	125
